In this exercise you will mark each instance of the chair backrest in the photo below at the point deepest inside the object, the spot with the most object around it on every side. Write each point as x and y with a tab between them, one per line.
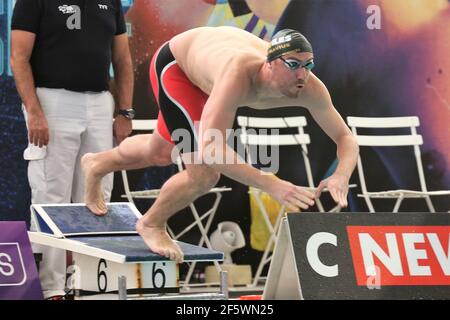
413	139
144	125
253	138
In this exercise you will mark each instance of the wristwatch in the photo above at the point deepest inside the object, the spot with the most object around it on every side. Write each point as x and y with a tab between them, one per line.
127	113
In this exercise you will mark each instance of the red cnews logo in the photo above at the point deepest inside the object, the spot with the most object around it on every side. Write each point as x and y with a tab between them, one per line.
401	255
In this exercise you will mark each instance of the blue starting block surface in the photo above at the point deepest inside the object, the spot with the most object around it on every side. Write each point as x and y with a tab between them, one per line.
79	220
134	249
113	236
65	220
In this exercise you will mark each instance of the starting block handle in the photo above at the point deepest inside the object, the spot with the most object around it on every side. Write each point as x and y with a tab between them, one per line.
122	285
224	284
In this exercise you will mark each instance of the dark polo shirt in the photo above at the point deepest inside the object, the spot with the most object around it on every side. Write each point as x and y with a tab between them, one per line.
73	40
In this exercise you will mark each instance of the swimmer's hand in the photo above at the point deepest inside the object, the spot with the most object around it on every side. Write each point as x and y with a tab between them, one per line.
337	185
290	195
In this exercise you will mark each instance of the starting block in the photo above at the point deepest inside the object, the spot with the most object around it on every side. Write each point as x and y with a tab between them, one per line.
107	249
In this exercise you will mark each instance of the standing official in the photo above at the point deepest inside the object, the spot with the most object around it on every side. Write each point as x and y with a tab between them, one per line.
61	54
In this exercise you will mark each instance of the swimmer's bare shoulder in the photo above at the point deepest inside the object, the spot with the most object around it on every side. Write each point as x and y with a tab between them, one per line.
316	94
238	74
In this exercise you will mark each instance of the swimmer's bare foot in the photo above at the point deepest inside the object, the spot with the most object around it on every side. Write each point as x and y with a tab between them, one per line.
93	193
159	241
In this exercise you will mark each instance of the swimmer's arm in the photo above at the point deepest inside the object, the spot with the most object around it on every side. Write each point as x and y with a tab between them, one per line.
324	113
326	116
219	114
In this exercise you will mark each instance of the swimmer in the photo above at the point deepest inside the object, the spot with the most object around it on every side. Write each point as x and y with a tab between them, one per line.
200	78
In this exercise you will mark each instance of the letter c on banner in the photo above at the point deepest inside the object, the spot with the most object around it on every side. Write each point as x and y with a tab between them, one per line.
312	254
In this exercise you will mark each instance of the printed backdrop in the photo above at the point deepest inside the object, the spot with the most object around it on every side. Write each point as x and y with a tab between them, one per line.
401	69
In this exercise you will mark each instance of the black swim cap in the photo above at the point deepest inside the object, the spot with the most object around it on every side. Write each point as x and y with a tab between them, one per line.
287	40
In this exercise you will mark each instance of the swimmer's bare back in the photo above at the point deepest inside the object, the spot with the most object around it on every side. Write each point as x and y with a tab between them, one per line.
206	54
203	53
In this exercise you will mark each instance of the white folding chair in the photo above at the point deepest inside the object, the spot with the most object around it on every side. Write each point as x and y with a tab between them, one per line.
413	140
251	138
203	227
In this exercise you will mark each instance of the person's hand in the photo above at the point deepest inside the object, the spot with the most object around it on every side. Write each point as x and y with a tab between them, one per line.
290	195
337	185
37	127
122	128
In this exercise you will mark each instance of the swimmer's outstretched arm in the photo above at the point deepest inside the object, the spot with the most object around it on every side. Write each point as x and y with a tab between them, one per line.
322	110
218	114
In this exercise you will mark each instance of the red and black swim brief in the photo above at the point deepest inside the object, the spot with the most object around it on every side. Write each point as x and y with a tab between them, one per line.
180	102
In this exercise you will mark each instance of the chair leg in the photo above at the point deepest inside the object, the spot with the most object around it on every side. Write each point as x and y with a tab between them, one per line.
369	204
204	232
335	209
193	224
271	231
266	258
397	204
430	204
319	205
264	213
171	233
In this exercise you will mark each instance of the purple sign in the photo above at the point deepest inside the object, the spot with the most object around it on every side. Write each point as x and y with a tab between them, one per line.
18	274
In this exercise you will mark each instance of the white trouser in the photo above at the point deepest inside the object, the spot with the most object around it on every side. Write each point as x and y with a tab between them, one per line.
78	123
